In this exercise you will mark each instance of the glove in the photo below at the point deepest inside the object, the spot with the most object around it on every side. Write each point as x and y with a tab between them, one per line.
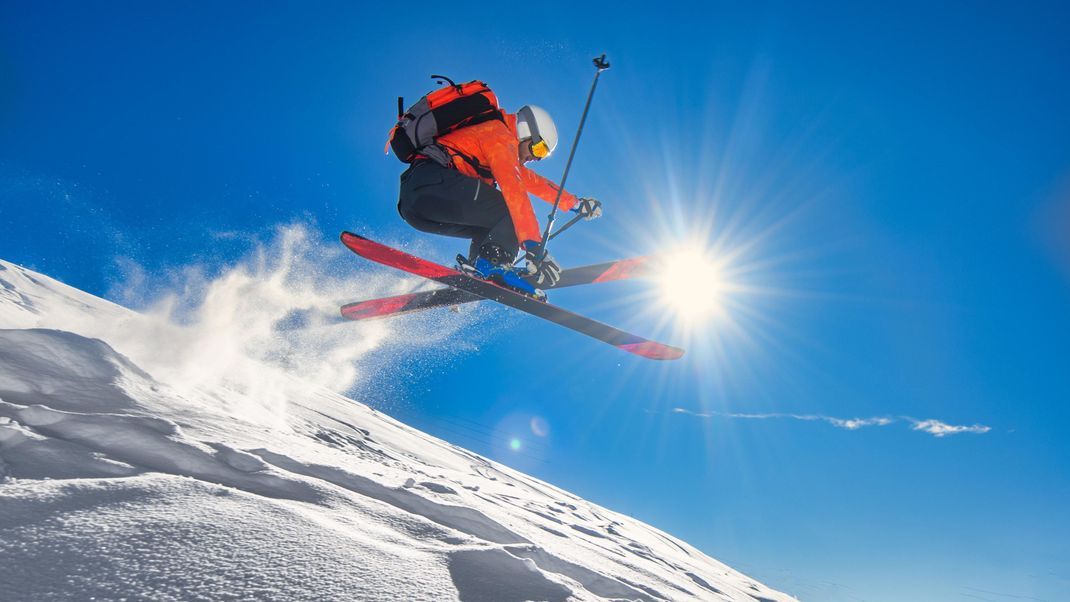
588	209
544	271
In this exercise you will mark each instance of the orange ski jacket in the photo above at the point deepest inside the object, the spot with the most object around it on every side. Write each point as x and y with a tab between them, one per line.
492	145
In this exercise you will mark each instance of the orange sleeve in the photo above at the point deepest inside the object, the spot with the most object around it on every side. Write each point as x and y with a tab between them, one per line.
545	189
500	150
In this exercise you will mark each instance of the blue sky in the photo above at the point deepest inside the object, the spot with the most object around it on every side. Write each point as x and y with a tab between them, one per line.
889	188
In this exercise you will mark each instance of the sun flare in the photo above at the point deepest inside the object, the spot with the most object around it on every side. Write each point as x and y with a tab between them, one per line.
691	283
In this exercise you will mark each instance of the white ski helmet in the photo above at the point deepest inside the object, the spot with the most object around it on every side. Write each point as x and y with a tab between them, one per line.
535	123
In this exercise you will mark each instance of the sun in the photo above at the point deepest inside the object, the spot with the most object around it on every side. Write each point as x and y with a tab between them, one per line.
691	283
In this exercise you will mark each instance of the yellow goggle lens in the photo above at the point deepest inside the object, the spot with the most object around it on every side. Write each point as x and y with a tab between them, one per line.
540	150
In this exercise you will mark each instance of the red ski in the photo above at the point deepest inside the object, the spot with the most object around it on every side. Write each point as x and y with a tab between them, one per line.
484	289
397	305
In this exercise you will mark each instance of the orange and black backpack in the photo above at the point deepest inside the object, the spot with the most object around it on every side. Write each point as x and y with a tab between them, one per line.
437	113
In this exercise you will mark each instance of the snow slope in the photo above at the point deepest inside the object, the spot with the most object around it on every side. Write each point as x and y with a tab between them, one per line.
120	479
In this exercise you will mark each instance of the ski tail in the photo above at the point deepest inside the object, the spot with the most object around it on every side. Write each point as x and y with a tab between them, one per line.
405	304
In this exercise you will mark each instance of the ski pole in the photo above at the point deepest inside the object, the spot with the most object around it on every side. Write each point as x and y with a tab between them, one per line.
568	225
601	65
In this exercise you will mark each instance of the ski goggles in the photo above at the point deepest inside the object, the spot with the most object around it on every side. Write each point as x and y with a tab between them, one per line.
539	150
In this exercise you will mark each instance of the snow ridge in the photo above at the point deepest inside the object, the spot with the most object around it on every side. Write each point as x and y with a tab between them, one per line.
115	483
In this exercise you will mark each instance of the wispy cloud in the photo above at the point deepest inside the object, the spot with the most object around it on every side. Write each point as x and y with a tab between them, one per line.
931	426
941	429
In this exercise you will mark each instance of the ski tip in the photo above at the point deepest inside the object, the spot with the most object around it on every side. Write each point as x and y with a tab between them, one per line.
653	350
624	269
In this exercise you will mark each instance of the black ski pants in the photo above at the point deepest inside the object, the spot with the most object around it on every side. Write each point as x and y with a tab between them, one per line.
444	201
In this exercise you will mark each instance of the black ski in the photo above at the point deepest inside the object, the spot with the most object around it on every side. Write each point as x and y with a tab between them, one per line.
397	305
488	290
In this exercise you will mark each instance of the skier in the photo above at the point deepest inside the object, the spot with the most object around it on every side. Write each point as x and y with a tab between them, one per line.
482	196
467	178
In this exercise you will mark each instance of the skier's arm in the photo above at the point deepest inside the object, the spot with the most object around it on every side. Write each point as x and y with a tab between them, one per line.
500	152
546	189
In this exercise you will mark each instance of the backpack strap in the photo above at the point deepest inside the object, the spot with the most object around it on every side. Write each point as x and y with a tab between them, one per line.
480	169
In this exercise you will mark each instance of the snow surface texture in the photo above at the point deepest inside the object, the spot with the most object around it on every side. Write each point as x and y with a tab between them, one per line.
123	480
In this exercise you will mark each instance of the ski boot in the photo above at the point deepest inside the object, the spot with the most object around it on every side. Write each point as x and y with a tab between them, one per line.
494	265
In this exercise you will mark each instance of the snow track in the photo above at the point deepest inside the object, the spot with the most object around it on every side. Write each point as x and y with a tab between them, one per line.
116	484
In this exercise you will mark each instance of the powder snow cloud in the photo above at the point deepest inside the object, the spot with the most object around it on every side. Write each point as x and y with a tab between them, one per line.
264	324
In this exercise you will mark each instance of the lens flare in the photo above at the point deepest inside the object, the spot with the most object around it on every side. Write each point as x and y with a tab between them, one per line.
539	426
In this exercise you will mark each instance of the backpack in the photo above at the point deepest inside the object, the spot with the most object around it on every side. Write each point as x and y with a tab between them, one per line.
437	113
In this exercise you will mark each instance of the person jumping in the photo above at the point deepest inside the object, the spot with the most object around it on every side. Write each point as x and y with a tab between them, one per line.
468	179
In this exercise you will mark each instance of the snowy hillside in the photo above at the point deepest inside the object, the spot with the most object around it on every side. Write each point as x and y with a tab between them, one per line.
120	479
